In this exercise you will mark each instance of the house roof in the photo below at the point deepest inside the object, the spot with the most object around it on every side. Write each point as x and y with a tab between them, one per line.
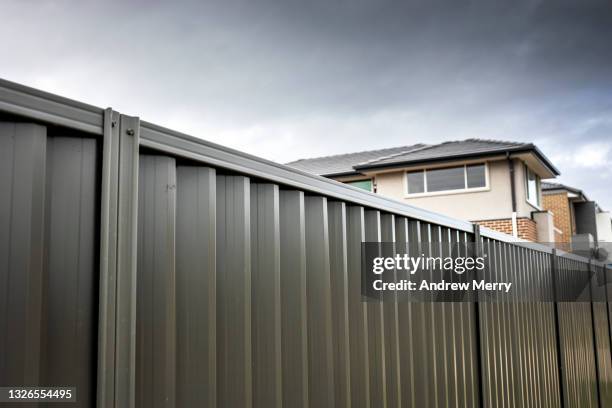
343	164
550	187
355	163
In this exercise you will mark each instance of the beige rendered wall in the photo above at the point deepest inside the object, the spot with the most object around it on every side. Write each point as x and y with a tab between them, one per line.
494	203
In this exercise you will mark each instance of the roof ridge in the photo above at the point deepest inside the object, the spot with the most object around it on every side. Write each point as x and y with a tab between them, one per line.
476	139
417	149
352	153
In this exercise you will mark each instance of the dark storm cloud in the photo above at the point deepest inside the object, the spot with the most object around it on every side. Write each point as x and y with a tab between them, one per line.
286	79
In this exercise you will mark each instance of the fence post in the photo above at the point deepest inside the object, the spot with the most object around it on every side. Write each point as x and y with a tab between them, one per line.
481	368
118	235
553	271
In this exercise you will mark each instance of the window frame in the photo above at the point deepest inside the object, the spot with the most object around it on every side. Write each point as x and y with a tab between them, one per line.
463	190
538	199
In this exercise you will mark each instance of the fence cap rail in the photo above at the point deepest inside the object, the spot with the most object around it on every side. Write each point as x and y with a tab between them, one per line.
32	103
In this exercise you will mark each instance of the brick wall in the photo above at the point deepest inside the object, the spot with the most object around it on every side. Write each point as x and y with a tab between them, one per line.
526	227
558	204
504	225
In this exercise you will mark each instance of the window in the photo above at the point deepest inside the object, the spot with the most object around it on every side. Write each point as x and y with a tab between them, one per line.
416	182
532	182
473	176
363	184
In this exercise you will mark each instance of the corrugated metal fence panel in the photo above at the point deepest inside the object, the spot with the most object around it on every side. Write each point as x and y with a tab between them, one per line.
284	278
290	325
196	288
602	336
576	335
48	252
518	340
294	328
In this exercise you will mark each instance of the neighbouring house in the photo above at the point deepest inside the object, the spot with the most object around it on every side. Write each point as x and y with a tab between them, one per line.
579	222
494	183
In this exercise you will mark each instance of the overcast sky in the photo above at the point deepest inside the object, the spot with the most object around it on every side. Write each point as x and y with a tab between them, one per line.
291	79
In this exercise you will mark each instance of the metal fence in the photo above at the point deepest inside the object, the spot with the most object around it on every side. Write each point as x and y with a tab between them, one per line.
148	268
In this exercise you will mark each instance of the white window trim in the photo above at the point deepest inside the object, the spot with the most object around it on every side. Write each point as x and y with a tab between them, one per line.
464	190
534	204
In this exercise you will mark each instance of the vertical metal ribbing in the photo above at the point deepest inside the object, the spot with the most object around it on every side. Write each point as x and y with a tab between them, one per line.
70	282
156	292
358	311
339	297
126	219
376	326
405	324
320	355
196	287
420	335
294	329
22	207
390	310
234	358
266	296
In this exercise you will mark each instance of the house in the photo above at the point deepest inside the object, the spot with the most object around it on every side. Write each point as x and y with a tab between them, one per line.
578	220
494	183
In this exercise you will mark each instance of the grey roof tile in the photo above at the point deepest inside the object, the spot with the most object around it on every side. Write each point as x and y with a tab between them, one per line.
446	150
350	163
343	163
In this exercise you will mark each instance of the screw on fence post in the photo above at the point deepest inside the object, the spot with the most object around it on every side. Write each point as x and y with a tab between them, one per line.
130	132
560	365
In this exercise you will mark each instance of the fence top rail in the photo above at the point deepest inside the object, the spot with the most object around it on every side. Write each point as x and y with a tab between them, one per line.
43	106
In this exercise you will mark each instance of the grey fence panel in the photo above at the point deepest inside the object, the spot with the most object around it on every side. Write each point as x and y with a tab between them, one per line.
405	324
602	336
318	289
391	322
518	338
266	295
70	274
22	229
339	298
576	335
358	311
156	296
48	258
294	317
196	288
234	338
376	326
